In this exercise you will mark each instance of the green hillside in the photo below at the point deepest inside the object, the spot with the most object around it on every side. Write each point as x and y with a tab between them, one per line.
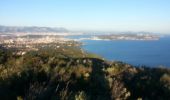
72	74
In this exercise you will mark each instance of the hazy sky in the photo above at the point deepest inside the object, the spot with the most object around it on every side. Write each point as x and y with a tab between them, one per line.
102	15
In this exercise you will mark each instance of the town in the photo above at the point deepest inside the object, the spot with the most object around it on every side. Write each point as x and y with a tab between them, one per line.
128	37
26	43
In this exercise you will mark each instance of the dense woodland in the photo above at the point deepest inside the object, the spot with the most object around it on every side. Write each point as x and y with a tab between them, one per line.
50	74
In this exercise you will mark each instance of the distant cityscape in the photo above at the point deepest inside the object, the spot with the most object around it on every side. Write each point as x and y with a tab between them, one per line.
31	38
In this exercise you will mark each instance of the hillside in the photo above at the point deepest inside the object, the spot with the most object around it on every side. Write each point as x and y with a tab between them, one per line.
31	29
49	74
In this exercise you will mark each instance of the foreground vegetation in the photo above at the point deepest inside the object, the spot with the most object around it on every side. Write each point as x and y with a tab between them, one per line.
71	74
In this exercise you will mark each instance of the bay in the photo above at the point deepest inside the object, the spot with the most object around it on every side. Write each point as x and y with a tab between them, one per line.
151	53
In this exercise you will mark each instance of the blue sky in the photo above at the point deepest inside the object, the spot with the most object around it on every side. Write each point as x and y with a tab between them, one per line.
101	15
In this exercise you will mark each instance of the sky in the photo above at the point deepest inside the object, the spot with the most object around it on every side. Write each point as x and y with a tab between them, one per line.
96	15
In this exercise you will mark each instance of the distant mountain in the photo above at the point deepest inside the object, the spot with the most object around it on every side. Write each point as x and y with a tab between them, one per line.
32	29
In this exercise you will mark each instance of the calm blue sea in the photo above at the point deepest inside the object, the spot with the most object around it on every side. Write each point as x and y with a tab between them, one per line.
150	53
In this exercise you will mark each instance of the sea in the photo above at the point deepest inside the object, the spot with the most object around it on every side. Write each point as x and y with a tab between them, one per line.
150	53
